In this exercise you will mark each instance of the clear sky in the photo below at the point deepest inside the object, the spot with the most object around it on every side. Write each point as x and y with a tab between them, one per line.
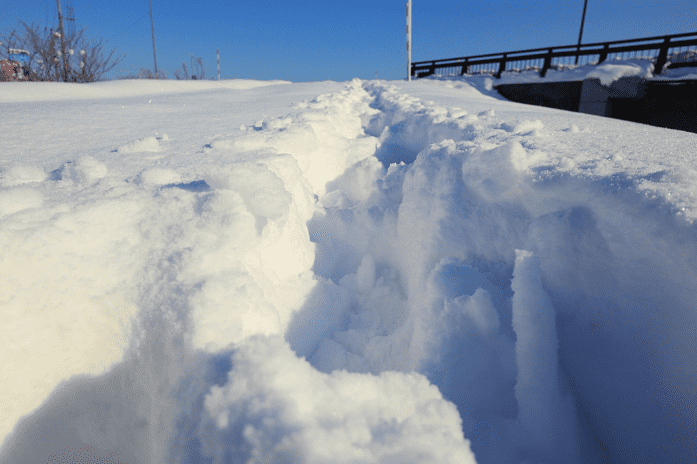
311	40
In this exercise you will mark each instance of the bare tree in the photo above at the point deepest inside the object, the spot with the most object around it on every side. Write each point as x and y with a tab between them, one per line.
87	59
145	74
181	73
10	44
197	71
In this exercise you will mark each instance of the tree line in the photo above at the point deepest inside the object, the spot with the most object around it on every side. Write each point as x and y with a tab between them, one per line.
86	60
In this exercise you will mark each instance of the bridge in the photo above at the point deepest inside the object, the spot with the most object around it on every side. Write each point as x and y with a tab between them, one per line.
657	49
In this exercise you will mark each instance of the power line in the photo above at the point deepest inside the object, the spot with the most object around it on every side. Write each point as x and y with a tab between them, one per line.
128	28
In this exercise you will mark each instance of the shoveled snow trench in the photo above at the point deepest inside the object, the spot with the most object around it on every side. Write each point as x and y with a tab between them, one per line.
369	278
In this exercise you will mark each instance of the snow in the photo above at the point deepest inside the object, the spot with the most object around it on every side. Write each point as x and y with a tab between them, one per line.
53	91
367	271
607	72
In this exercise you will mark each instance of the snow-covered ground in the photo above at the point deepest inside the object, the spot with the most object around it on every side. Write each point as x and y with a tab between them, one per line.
360	272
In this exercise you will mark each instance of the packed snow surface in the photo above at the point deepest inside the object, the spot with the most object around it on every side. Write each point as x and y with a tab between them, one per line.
358	272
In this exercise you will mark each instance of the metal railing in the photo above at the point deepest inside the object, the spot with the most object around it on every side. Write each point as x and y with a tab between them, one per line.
657	49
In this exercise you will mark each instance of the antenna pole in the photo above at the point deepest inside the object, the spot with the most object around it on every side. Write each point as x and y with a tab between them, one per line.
65	58
154	50
580	34
409	41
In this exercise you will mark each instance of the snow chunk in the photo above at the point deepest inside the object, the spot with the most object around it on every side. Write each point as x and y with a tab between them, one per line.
277	407
86	171
494	172
18	199
262	190
566	164
365	274
481	312
18	174
525	126
147	144
158	176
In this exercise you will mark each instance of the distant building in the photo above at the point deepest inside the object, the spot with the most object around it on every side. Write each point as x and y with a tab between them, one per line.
17	67
19	54
11	70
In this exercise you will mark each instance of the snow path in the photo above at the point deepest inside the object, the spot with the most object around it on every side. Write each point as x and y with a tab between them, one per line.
539	270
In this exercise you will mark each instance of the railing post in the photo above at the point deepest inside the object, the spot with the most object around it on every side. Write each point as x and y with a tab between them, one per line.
502	65
603	54
432	69
547	64
465	67
578	50
662	56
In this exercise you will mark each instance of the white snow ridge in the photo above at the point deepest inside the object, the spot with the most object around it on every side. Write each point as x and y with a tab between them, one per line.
360	272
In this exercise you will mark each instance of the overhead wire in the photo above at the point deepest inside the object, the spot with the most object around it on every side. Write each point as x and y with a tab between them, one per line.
147	13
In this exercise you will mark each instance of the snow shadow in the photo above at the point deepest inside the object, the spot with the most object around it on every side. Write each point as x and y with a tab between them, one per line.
104	412
394	153
193	186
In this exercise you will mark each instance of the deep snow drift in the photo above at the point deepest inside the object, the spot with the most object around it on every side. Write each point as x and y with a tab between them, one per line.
363	272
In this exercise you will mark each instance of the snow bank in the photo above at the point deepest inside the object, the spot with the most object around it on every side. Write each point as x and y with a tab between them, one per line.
437	285
73	265
607	71
52	91
325	137
368	276
252	252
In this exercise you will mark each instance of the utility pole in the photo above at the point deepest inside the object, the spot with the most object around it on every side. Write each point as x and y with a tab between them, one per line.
62	32
154	50
409	41
580	34
217	56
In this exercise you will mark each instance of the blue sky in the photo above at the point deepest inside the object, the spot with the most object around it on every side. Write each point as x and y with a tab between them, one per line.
312	40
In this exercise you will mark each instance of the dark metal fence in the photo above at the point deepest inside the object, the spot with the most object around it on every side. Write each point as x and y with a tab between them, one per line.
658	49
